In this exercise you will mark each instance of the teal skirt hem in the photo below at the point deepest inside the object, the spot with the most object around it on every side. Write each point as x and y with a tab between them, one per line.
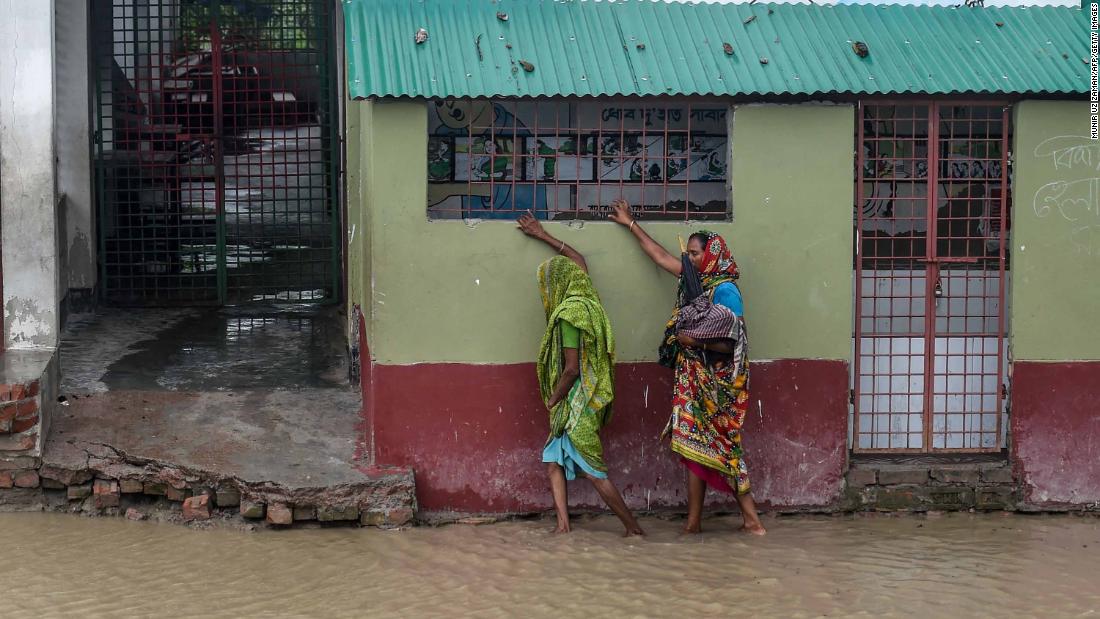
560	450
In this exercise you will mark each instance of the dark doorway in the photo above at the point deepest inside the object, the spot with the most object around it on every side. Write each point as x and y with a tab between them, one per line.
215	148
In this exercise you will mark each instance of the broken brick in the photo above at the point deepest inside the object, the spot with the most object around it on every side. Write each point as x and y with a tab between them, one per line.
176	494
18	462
133	514
154	489
106	493
903	476
6	480
24	424
131	486
399	517
278	513
228	497
372	518
26	409
196	508
26	479
860	478
995	497
69	477
332	513
998	475
956	476
252	509
81	491
386	518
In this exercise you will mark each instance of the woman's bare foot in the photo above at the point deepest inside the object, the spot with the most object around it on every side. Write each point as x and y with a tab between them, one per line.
749	515
563	527
754	528
610	495
693	528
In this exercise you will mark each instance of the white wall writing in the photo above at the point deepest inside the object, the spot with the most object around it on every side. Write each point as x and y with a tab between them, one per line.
1072	199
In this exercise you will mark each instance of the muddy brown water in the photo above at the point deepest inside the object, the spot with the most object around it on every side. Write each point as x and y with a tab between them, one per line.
950	566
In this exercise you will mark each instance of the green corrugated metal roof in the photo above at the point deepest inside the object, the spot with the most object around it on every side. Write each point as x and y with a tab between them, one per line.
641	47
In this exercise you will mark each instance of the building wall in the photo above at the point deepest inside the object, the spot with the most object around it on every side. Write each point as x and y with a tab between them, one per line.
1055	343
355	233
27	183
453	320
357	121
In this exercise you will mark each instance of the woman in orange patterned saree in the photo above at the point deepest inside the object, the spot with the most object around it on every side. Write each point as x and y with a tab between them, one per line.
710	395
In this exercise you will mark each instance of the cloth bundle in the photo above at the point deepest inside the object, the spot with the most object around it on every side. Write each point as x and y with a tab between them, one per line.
699	317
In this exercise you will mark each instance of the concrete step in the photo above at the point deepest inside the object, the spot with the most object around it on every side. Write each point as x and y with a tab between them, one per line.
928	483
243	416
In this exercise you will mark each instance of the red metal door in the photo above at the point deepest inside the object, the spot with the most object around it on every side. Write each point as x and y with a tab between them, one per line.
931	226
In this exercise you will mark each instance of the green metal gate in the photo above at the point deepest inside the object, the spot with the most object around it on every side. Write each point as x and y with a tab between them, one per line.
215	150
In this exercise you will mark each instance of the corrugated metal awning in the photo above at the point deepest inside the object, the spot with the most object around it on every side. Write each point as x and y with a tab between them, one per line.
536	48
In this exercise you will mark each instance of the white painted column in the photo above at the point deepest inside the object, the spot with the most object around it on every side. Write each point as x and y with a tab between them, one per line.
28	187
74	165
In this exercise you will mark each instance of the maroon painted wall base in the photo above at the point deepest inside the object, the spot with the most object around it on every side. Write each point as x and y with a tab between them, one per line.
1056	432
474	435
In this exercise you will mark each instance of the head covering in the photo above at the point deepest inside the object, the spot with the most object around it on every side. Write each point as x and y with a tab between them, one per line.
706	320
718	262
559	279
568	294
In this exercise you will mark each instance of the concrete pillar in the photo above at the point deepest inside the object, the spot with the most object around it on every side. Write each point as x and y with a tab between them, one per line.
78	272
28	187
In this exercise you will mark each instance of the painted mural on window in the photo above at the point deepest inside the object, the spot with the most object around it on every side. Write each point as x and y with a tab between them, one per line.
969	165
571	160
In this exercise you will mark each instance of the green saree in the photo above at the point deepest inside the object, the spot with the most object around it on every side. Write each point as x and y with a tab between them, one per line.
568	295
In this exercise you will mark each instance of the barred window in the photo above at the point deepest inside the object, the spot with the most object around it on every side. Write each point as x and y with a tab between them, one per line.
565	160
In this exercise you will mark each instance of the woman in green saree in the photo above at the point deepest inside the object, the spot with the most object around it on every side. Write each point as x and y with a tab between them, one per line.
576	377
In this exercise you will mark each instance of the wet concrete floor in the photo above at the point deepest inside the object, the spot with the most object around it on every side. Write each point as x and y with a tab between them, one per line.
261	394
193	349
955	565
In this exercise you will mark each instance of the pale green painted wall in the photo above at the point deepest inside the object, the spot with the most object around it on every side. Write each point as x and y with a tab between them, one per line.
356	255
1055	260
359	116
793	191
448	292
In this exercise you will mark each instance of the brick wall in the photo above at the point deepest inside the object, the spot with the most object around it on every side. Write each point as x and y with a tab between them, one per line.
917	487
20	409
28	393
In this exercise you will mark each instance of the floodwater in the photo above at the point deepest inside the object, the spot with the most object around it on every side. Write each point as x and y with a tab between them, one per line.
954	565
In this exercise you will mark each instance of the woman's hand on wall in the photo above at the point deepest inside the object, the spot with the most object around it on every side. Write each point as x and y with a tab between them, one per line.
531	227
620	213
